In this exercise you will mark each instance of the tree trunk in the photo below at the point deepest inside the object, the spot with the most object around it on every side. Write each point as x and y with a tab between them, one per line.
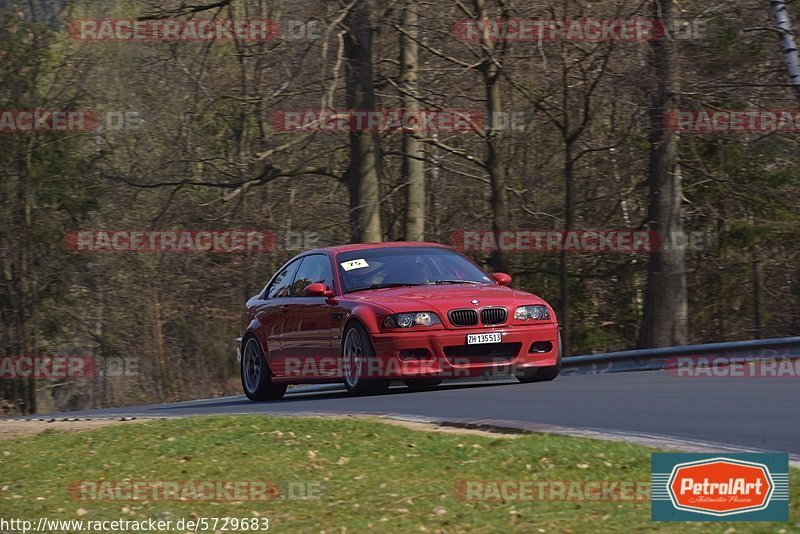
758	289
413	163
365	158
491	70
790	54
569	215
18	301
665	308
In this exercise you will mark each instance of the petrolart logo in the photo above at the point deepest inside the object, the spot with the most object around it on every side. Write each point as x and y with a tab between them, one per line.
716	487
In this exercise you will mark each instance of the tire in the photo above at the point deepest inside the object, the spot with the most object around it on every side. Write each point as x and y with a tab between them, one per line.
357	352
542	374
256	375
422	383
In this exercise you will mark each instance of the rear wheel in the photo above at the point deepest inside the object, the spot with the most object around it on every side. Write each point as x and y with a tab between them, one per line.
357	353
541	374
422	383
256	375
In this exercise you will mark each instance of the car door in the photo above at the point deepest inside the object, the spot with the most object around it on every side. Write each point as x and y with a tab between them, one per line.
308	340
273	313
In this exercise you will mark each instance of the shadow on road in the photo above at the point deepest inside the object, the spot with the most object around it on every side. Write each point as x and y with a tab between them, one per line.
324	394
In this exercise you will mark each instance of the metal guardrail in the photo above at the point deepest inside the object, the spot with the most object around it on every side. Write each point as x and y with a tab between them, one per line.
655	359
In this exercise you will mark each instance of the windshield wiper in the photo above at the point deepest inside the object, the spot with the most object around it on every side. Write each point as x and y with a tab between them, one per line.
438	282
381	286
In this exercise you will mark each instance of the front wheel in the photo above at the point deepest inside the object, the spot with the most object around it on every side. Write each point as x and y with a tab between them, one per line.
542	374
256	375
357	353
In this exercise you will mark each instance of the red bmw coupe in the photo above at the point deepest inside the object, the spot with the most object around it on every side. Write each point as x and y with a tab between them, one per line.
366	314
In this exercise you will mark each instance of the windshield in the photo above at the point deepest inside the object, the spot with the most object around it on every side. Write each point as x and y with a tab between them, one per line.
406	266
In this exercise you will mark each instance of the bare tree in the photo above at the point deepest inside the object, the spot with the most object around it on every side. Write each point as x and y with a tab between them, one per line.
491	69
413	171
365	156
665	320
790	54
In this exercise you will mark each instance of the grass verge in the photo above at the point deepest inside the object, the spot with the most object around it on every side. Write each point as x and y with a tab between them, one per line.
366	475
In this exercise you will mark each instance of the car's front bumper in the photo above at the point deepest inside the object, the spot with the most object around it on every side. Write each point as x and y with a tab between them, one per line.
444	353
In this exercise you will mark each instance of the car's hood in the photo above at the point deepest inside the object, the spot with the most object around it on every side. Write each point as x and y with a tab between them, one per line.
441	299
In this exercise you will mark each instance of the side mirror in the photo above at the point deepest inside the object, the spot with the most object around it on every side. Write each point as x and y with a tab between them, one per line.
501	278
317	289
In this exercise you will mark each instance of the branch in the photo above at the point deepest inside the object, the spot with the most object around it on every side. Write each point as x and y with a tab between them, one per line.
186	10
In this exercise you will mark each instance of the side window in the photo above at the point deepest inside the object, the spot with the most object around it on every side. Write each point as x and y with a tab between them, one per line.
315	268
281	286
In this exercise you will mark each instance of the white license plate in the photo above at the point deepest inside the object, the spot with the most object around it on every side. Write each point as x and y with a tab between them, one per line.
480	339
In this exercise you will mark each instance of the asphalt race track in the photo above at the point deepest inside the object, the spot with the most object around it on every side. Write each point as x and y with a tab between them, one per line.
746	413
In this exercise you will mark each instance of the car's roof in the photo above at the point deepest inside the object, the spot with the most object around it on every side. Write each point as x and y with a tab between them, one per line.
366	246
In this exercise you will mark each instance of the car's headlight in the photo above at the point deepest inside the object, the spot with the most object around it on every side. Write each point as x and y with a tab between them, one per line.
532	313
407	320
